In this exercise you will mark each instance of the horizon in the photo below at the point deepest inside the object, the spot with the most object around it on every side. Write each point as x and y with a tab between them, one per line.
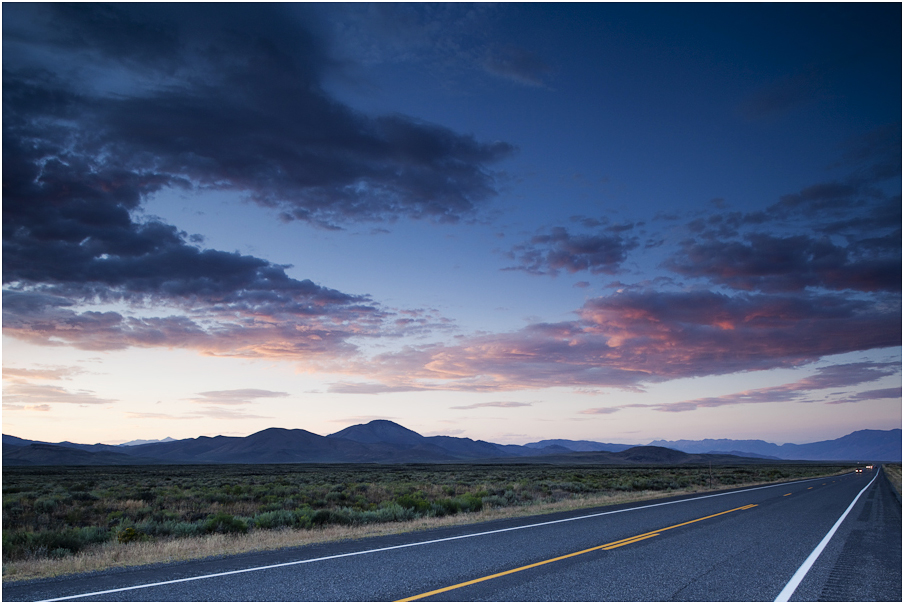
639	444
511	223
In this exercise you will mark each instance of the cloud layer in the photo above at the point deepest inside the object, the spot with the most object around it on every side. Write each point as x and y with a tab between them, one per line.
631	338
106	105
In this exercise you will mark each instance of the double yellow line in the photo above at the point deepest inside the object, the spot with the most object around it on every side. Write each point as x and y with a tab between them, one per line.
606	546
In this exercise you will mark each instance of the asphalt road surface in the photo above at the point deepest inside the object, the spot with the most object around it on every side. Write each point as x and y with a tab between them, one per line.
742	545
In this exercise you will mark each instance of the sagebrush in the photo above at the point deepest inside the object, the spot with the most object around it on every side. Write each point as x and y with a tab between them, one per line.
59	511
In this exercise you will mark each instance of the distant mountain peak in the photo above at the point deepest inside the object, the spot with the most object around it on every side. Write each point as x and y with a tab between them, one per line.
380	431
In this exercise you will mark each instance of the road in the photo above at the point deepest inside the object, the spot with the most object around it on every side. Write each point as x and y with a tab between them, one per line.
742	545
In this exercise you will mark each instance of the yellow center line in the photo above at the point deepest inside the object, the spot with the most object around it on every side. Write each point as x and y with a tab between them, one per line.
607	546
786	494
630	541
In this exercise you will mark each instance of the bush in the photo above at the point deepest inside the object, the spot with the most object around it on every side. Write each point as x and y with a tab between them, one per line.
495	501
187	529
389	512
128	535
24	544
275	519
224	523
450	507
470	503
445	507
338	516
46	505
414	502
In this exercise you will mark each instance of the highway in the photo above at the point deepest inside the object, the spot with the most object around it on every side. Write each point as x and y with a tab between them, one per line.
748	544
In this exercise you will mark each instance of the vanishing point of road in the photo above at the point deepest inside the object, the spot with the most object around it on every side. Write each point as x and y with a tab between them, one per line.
824	539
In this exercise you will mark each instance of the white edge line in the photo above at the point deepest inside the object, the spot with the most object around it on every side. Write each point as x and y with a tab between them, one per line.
383	549
788	591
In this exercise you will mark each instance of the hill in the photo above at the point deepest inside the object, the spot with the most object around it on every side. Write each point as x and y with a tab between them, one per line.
39	454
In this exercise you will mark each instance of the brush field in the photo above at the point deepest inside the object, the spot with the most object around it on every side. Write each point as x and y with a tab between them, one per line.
55	513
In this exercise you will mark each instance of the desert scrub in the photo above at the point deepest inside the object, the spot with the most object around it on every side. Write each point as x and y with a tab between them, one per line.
54	512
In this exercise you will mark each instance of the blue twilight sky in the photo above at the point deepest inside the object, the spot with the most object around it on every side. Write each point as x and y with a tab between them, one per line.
616	222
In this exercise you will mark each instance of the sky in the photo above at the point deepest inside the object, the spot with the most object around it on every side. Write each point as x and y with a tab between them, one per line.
515	222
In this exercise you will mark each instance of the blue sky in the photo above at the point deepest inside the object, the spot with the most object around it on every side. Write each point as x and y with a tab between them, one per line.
507	222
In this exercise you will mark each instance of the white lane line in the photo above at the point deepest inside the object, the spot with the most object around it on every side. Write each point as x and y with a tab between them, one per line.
788	591
383	549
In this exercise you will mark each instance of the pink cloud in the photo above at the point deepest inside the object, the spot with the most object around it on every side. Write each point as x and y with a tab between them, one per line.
869	395
836	376
600	410
632	338
248	333
240	396
16	374
41	394
618	341
499	404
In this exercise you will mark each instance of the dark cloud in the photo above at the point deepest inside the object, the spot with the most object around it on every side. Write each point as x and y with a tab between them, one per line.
105	105
783	264
837	235
559	250
849	374
869	395
239	111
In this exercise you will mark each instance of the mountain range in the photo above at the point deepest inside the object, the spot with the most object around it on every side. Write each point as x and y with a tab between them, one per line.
382	441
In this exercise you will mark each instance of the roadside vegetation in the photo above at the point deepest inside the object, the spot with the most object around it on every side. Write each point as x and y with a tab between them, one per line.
72	519
893	471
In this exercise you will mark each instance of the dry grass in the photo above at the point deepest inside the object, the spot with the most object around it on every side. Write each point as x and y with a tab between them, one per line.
112	554
893	471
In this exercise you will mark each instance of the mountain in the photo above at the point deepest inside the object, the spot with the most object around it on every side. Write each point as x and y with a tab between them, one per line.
578	445
382	441
19	442
760	447
387	432
867	445
380	431
132	443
